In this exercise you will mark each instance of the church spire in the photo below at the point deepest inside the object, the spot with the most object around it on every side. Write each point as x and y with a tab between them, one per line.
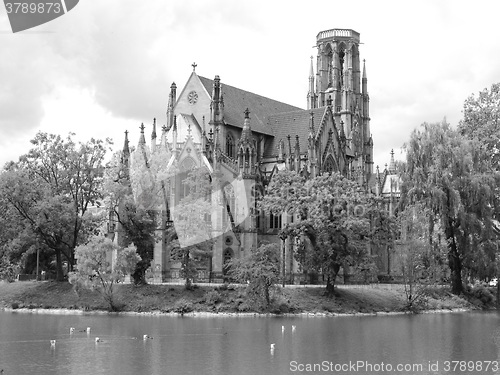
172	98
311	95
364	80
126	149
153	136
246	149
142	139
392	163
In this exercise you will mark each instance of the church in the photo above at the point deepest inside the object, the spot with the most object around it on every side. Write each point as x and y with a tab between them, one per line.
242	139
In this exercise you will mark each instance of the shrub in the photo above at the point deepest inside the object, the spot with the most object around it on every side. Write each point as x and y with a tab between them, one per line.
482	293
212	297
183	306
95	272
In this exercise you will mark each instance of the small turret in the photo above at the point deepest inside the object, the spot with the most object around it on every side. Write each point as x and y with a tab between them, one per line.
311	95
174	135
153	136
392	163
364	80
142	139
172	98
297	153
246	149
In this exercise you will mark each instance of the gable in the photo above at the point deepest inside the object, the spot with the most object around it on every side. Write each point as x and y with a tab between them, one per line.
200	108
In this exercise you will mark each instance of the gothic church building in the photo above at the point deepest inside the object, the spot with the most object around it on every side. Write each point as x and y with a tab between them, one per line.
239	136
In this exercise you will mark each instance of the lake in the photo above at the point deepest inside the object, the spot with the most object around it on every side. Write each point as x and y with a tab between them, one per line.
418	344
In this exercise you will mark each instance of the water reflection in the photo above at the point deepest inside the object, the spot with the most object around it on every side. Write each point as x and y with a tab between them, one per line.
229	345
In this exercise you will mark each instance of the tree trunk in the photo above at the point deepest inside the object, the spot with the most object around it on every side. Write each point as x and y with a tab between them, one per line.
454	261
330	281
330	287
59	268
456	269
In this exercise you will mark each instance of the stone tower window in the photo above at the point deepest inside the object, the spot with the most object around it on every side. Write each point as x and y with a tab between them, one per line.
230	145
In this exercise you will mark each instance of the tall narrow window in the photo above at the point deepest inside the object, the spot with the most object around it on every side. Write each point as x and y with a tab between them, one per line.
230	145
275	221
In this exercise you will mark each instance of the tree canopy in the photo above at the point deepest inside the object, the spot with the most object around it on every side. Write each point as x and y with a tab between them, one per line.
333	219
454	178
49	191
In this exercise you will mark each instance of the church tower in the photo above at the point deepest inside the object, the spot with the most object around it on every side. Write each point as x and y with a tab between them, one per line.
338	78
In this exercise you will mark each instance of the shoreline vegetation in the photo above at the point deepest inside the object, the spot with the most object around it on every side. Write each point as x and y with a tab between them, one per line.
231	300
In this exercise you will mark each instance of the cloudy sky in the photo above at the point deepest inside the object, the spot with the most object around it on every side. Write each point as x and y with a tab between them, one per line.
107	66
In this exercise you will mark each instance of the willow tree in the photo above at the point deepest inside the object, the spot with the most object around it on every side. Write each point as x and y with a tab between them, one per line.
454	178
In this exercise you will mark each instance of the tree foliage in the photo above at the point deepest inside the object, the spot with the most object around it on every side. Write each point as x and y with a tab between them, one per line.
260	270
333	222
95	270
133	214
50	190
481	120
421	251
453	177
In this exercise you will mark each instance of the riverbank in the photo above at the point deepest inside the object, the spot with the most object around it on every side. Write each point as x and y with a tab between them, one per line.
232	300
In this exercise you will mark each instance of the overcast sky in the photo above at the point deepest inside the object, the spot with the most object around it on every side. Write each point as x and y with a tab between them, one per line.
107	66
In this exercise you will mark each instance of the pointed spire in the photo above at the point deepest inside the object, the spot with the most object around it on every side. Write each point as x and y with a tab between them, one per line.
297	153
392	164
364	80
126	149
311	124
246	132
153	133
142	140
172	98
174	135
342	132
163	141
311	95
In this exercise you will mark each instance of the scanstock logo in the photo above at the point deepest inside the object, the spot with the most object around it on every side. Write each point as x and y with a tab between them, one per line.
25	14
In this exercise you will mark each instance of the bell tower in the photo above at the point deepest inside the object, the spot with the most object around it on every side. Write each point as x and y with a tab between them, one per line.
339	81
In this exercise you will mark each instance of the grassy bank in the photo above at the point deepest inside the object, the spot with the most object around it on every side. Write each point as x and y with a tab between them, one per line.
232	299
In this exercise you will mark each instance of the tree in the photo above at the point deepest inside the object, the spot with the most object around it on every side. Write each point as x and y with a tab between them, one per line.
137	218
260	270
453	177
95	270
51	189
420	252
482	121
40	216
332	220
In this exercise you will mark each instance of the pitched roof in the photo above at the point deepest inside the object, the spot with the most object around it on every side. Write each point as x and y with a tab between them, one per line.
237	100
293	123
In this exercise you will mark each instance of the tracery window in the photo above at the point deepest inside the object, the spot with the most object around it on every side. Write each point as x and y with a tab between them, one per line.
329	165
230	145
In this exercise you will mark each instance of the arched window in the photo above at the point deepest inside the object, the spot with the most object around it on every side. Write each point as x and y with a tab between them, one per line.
230	145
329	165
